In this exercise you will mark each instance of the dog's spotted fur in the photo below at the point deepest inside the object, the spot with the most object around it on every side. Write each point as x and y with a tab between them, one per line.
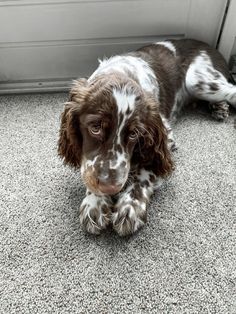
116	125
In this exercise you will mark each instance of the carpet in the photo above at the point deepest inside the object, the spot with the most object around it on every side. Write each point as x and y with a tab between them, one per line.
182	261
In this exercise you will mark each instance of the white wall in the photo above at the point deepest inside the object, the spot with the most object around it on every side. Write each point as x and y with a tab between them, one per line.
44	44
227	44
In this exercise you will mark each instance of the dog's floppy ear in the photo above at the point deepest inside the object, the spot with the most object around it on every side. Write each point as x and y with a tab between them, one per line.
70	138
154	150
79	90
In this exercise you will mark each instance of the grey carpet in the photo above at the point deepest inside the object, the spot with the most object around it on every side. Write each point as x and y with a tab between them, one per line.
183	261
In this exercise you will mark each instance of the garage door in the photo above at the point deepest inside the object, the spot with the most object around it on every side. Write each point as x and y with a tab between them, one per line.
45	44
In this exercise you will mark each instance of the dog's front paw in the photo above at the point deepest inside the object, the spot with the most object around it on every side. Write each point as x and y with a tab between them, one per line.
95	213
129	216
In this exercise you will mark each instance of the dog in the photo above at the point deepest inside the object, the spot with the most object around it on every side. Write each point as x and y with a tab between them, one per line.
116	126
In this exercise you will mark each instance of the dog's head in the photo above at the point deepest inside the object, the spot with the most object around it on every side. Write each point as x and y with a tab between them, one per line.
109	124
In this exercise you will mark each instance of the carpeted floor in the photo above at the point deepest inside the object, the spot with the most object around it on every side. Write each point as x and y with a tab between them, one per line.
183	261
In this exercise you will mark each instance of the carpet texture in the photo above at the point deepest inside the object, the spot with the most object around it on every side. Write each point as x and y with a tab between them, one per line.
182	261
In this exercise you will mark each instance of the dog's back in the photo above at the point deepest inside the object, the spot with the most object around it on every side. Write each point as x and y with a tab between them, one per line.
188	69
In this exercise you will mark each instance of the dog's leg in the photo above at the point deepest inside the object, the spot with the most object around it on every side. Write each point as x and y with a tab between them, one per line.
130	212
205	82
171	142
95	212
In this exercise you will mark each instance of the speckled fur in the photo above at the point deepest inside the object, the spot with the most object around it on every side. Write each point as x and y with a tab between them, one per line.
117	125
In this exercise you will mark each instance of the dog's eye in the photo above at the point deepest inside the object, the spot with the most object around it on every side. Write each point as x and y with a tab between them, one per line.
133	135
95	129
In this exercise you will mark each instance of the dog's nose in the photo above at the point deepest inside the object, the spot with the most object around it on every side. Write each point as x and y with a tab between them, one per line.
110	189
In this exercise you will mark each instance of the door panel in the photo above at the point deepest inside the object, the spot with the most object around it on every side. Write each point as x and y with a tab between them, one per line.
227	45
44	44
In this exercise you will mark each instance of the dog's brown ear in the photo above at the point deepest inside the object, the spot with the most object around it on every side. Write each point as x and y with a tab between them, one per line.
79	90
70	138
162	160
154	150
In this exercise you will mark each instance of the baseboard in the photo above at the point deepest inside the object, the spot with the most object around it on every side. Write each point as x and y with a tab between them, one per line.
35	86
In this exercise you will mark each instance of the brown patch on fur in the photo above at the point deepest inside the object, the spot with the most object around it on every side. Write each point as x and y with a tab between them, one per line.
123	164
213	87
91	180
119	148
167	73
145	183
152	178
136	192
199	86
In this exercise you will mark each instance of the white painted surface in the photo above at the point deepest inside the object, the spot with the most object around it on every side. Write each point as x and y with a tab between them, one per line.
227	45
44	44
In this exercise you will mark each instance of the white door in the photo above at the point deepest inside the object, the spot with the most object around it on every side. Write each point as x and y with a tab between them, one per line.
227	45
46	43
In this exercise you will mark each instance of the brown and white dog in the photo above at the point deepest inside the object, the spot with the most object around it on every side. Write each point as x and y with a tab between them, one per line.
116	125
